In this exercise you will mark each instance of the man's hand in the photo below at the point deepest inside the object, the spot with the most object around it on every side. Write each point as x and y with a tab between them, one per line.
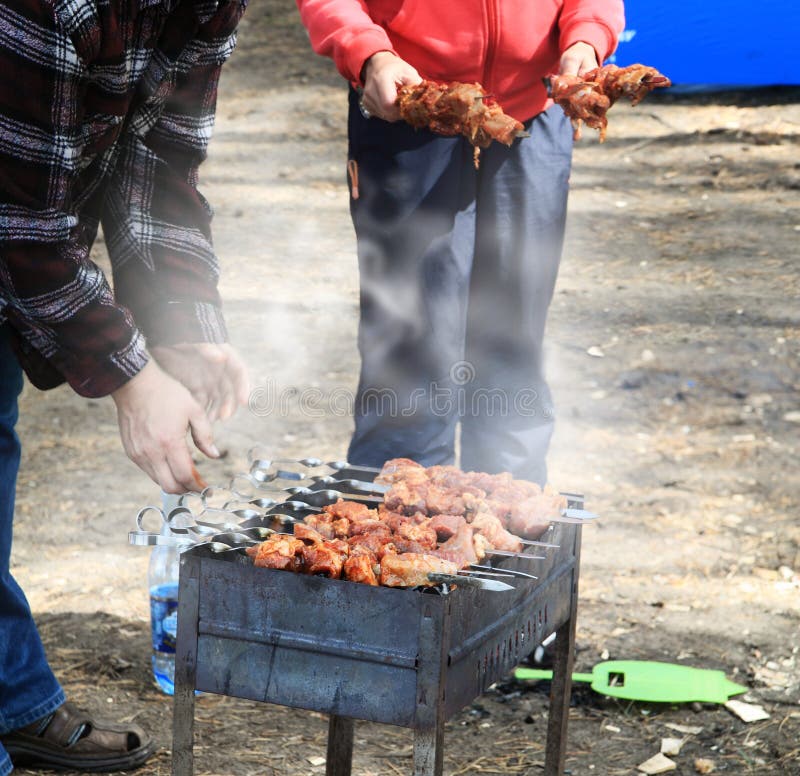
214	374
384	72
578	59
154	413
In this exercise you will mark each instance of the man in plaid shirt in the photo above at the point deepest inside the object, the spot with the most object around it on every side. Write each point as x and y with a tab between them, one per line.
106	108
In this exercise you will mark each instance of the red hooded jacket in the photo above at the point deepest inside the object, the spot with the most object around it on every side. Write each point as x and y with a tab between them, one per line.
505	45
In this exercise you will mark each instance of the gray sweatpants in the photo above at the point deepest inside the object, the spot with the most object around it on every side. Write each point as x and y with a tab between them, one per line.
457	270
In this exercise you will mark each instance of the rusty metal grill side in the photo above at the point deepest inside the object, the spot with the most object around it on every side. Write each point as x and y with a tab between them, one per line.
324	645
489	655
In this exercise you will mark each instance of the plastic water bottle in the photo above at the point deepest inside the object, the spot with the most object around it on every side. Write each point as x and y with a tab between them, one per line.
162	579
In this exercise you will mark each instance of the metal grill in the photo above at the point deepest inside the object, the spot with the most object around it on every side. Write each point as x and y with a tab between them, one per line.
412	658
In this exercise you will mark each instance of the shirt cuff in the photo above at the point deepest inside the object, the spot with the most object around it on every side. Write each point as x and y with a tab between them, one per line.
177	323
112	358
93	375
361	48
593	32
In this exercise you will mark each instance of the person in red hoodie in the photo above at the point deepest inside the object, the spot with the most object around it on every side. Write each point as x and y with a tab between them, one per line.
457	265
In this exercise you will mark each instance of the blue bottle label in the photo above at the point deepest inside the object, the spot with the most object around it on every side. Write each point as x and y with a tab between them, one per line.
164	617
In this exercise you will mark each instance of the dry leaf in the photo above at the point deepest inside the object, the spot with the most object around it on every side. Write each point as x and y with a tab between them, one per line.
689	730
747	712
657	764
671	745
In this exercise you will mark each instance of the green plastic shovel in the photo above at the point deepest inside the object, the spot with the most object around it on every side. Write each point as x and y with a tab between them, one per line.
642	680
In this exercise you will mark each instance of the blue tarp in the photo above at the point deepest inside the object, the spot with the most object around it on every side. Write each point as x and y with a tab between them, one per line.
733	43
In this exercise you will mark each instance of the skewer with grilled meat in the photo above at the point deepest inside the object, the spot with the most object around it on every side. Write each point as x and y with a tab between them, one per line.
424	497
587	98
634	82
438	512
455	108
582	101
474	483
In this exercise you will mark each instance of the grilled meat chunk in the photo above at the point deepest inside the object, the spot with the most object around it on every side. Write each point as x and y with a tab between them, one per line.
370	527
350	510
278	552
398	469
358	568
324	561
421	533
461	542
412	569
373	542
530	517
489	526
406	498
446	525
444	501
321	523
306	533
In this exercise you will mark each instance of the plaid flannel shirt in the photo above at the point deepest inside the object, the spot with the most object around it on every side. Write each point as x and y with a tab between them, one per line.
106	109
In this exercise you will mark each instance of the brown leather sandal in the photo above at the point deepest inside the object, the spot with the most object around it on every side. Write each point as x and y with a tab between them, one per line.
71	739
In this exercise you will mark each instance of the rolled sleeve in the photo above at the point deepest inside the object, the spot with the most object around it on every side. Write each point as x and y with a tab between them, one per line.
596	22
344	30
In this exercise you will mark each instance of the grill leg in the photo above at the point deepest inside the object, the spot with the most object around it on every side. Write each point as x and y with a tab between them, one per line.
339	761
185	670
556	746
560	689
429	751
434	641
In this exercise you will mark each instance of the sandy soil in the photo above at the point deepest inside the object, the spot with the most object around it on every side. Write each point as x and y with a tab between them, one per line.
674	356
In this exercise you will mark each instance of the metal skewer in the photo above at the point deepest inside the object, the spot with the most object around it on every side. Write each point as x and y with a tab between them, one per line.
532	543
511	572
508	554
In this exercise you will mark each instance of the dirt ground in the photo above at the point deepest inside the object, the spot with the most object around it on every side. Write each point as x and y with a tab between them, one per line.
674	358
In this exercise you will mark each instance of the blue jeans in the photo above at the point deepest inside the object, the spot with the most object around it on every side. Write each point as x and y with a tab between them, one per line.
28	689
457	269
